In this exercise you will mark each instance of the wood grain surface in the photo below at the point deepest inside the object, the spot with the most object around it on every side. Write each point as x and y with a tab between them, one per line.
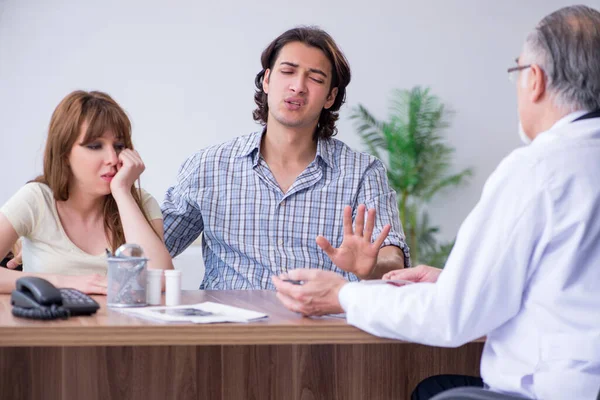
115	356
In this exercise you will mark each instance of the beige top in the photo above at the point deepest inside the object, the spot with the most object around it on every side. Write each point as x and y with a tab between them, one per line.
46	247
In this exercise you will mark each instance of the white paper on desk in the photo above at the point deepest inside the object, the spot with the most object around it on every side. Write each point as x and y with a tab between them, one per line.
201	313
393	282
340	315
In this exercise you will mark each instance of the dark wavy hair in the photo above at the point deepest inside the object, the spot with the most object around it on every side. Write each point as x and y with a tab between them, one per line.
313	37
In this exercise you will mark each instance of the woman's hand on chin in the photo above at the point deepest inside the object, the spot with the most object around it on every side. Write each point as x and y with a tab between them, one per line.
129	169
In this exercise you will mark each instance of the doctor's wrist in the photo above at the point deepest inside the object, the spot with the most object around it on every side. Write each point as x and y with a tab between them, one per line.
345	295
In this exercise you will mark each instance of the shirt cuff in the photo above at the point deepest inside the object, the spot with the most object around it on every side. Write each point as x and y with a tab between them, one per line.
346	294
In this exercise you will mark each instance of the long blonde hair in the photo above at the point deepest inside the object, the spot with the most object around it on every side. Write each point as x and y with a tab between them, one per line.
102	114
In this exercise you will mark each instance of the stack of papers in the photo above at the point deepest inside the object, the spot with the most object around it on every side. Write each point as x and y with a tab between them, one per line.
394	282
201	313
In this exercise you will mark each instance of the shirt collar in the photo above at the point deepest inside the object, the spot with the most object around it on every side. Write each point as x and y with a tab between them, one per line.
557	129
325	148
252	146
567	119
325	151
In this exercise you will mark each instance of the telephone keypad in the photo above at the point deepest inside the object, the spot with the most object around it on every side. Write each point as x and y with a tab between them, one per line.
77	302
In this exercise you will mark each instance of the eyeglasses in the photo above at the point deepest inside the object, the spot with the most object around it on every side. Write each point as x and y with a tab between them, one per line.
511	75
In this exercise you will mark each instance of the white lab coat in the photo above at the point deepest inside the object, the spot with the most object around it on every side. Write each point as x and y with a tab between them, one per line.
525	271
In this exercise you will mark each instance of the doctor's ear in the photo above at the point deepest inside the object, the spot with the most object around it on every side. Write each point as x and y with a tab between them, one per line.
536	83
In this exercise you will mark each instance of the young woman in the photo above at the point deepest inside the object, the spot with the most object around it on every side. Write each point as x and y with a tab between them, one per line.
84	202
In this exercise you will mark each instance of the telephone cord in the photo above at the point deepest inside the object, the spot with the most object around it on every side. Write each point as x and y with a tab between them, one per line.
45	313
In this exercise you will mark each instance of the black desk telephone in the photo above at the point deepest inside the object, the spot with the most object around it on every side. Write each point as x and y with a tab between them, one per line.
37	298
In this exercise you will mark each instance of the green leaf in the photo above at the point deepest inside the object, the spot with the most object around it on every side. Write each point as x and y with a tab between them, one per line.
414	149
369	129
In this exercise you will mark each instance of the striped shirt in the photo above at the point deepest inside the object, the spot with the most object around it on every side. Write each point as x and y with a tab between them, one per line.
252	230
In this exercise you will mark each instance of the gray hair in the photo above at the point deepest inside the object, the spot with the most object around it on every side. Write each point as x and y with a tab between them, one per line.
566	46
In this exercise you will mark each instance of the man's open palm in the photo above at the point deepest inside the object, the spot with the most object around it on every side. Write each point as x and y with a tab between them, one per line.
356	254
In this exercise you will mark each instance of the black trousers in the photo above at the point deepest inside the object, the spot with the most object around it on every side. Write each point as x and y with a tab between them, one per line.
439	383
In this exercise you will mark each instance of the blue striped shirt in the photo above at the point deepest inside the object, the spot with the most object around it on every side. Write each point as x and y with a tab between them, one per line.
253	230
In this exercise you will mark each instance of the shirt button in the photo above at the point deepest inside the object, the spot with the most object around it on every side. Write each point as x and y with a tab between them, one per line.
282	203
280	242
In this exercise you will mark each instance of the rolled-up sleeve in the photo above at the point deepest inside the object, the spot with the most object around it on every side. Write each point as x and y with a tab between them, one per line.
375	192
182	217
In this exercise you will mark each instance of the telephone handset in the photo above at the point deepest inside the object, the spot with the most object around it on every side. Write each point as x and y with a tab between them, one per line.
38	299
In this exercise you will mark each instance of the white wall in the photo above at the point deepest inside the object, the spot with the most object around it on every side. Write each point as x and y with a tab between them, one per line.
185	72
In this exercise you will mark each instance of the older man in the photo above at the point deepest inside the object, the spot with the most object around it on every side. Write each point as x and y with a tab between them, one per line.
525	270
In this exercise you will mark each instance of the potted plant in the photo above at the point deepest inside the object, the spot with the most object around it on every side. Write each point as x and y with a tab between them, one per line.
418	159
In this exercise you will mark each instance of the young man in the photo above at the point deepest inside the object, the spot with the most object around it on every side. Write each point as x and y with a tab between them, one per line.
261	200
525	267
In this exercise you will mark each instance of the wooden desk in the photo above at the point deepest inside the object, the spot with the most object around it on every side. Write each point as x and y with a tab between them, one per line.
114	356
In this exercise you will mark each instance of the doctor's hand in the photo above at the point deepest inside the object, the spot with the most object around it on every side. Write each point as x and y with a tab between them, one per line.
356	254
129	169
318	294
420	273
